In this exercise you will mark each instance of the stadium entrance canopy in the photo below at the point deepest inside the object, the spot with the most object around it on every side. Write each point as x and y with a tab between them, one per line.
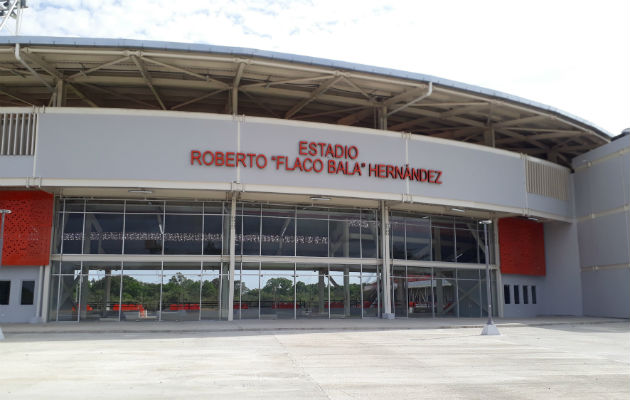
47	71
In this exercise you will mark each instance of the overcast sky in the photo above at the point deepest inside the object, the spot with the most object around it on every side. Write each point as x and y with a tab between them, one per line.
572	55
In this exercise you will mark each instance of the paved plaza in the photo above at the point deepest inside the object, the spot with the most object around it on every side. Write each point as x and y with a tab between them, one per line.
565	358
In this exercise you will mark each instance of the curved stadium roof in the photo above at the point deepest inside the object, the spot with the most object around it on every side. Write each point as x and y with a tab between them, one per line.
83	72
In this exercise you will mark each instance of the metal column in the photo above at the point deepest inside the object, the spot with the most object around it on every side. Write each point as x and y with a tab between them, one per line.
230	302
387	294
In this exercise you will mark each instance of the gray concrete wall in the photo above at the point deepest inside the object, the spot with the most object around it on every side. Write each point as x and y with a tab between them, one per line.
562	285
602	201
131	148
16	166
14	311
523	310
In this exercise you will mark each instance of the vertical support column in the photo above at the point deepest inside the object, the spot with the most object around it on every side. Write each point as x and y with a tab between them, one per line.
45	293
382	118
488	136
108	288
60	91
346	291
230	304
500	301
38	296
234	99
320	289
234	91
387	285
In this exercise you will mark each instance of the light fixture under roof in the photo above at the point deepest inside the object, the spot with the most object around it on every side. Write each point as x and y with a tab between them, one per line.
458	209
141	191
320	198
485	222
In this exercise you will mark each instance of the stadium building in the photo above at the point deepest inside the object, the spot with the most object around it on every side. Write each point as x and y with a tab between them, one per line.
166	181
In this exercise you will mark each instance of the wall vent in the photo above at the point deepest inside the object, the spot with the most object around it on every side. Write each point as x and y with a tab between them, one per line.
547	180
17	134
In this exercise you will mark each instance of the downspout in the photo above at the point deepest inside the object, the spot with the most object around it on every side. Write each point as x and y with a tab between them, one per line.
28	67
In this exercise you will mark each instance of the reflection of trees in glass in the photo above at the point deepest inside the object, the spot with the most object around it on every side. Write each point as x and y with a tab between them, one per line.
180	289
96	290
135	291
278	289
210	289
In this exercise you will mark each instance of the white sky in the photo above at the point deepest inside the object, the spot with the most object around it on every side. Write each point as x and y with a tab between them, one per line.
572	55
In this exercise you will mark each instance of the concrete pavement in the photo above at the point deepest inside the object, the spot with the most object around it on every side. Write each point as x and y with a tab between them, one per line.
559	358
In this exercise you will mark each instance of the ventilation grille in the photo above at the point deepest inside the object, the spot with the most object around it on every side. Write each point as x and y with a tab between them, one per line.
17	134
547	180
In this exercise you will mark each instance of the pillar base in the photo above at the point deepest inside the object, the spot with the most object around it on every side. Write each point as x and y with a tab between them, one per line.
490	329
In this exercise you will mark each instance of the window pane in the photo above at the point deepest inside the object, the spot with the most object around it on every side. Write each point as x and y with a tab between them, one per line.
517	299
248	291
213	234
418	235
5	292
143	234
525	294
278	238
251	235
313	212
369	239
58	229
52	299
67	267
74	205
149	207
370	282
211	286
180	292
344	238
278	211
180	207
445	292
443	244
506	294
399	291
469	296
420	286
182	234
113	206
311	287
28	291
369	215
468	274
397	238
100	291
277	293
69	296
312	237
345	290
213	208
141	291
466	246
103	233
72	233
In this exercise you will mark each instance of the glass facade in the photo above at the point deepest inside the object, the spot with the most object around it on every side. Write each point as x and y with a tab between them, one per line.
172	262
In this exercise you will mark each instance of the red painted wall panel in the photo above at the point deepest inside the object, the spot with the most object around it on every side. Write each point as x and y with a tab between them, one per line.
27	229
521	247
